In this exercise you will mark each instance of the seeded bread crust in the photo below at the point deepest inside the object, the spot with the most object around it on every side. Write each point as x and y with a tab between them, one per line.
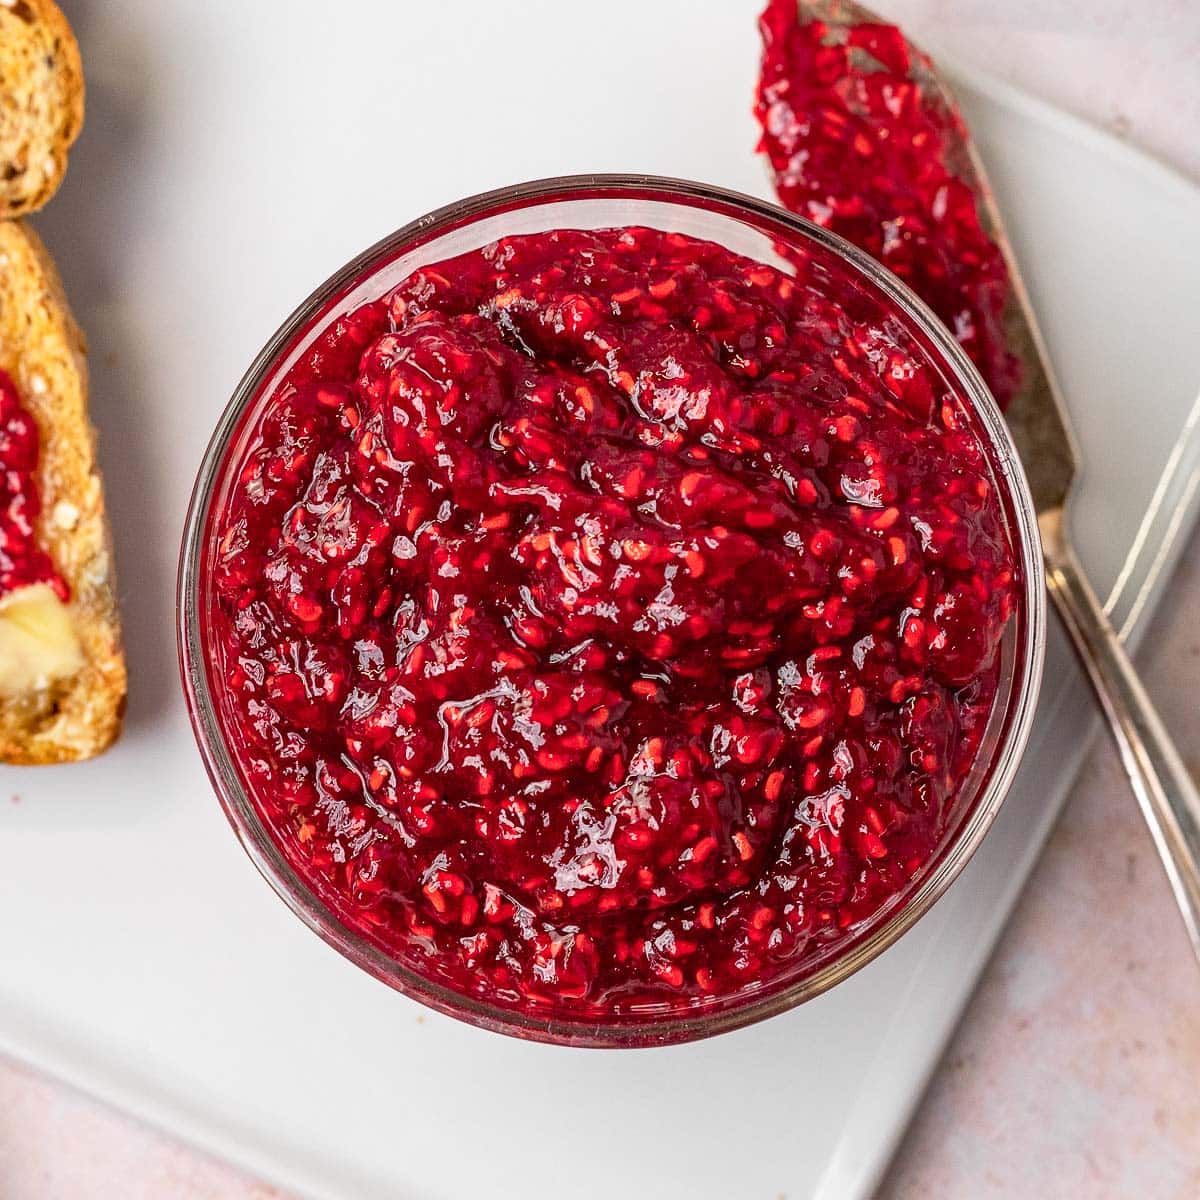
41	102
42	349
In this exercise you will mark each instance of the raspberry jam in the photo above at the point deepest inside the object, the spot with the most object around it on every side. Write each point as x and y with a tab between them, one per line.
604	623
858	147
22	560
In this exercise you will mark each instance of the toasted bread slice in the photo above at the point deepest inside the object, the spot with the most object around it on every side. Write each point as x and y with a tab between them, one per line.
73	709
41	102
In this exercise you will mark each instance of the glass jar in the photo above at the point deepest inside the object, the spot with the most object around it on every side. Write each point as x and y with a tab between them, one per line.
744	226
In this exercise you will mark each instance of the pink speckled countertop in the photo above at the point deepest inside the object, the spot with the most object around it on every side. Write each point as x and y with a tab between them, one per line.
1074	1073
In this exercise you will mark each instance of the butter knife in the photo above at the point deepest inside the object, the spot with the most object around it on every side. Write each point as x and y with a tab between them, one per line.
1041	429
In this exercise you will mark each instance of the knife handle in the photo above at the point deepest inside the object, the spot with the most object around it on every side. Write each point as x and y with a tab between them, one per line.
1165	791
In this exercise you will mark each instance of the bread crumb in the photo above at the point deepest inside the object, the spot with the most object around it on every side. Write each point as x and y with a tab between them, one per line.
66	515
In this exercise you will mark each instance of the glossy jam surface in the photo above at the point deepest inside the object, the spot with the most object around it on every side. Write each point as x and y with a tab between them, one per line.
605	621
858	147
22	560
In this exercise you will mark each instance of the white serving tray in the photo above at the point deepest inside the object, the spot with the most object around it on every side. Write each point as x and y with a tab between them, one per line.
235	155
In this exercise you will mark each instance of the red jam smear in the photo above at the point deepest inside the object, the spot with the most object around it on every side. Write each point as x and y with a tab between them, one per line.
22	560
857	147
603	620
